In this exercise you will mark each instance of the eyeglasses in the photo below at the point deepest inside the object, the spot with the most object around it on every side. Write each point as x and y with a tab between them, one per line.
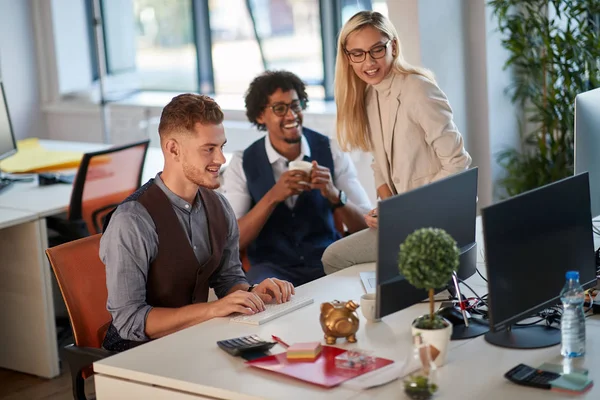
281	109
358	56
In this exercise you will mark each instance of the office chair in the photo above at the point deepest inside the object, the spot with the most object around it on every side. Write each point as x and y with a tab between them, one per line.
82	280
104	179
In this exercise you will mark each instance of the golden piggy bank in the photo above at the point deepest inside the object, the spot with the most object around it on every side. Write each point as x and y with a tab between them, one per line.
339	319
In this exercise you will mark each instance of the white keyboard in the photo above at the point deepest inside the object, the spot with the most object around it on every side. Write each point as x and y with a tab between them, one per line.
273	311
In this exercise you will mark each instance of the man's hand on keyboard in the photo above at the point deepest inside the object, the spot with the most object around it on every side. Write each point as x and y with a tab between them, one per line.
274	290
240	301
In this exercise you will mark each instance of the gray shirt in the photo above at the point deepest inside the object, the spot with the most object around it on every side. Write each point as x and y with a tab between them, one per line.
130	245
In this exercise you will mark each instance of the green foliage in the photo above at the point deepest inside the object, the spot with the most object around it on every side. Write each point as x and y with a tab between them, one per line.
418	388
554	50
426	322
428	257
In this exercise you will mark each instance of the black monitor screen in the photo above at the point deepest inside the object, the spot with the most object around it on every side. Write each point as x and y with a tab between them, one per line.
8	145
449	204
531	241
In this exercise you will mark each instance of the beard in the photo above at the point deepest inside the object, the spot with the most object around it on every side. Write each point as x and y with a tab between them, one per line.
293	140
195	175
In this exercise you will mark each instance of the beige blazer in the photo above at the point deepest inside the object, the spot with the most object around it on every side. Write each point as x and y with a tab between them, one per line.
425	144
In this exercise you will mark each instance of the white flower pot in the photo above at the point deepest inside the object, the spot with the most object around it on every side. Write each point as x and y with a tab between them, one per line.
438	338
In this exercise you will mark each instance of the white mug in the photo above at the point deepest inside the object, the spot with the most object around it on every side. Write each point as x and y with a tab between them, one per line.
301	165
367	305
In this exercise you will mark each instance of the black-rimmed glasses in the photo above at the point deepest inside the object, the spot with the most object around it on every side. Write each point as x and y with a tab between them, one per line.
281	109
377	52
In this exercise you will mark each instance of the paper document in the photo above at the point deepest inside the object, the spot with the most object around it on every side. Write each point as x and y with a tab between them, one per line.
32	157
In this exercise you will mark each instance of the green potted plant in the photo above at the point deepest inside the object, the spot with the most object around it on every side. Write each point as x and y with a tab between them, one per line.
554	48
427	259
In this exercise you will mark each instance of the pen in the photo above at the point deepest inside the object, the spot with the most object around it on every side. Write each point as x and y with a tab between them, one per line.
281	342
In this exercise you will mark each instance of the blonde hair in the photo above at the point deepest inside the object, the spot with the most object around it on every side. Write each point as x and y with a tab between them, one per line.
352	126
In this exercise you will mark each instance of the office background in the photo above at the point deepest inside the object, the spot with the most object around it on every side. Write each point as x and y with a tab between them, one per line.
47	66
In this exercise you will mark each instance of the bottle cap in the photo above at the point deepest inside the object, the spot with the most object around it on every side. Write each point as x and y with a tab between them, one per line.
573	275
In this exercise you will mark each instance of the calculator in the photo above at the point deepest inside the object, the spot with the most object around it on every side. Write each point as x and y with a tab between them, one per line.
528	376
243	344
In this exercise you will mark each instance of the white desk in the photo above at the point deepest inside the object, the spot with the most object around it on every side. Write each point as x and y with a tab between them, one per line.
27	319
188	364
28	333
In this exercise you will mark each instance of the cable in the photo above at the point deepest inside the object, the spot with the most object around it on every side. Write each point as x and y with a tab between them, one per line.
482	277
472	291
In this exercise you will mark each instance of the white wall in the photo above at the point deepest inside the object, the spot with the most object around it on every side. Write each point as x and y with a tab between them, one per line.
477	101
442	35
457	40
18	68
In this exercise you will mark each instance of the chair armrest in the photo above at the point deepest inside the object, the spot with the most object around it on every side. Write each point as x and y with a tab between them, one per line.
97	212
68	229
81	357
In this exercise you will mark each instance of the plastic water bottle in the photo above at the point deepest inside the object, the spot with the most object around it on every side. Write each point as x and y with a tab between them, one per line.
572	322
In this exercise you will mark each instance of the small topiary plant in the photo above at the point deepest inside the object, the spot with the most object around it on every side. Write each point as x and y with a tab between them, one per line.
427	259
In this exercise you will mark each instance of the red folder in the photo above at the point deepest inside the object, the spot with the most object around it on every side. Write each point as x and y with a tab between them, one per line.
322	371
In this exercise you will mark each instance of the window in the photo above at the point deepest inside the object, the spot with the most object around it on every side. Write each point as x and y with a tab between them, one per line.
351	7
150	43
219	46
269	34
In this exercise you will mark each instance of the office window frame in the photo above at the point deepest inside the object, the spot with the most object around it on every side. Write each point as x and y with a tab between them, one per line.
330	17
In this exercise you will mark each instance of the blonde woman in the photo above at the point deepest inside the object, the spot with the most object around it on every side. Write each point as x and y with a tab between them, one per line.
396	111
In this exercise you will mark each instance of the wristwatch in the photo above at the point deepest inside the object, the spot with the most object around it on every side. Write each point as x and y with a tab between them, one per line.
341	200
252	287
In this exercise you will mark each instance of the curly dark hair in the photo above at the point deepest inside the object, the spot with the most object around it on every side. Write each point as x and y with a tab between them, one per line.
185	110
264	85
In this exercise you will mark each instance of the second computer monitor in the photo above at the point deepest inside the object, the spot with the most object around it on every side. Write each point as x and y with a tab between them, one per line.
8	146
531	241
449	204
587	142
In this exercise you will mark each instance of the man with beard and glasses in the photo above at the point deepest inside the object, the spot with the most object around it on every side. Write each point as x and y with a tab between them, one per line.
175	238
286	216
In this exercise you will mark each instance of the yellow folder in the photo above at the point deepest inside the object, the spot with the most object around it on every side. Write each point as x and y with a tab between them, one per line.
32	157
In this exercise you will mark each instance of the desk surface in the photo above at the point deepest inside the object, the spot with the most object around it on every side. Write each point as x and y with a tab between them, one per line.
10	217
189	360
181	361
54	199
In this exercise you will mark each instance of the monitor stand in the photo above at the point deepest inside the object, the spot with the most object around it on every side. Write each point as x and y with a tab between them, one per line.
525	337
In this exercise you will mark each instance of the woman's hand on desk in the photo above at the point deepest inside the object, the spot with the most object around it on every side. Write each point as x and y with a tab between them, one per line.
371	219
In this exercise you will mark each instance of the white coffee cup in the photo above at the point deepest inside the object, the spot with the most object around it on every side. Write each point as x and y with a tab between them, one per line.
301	166
367	305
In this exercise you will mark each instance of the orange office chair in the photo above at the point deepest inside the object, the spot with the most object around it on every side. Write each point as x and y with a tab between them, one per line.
104	179
82	280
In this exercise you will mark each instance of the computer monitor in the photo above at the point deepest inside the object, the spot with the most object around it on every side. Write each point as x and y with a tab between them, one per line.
450	204
587	142
531	241
8	145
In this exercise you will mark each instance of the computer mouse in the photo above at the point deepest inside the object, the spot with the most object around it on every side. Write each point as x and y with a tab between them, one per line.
452	314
